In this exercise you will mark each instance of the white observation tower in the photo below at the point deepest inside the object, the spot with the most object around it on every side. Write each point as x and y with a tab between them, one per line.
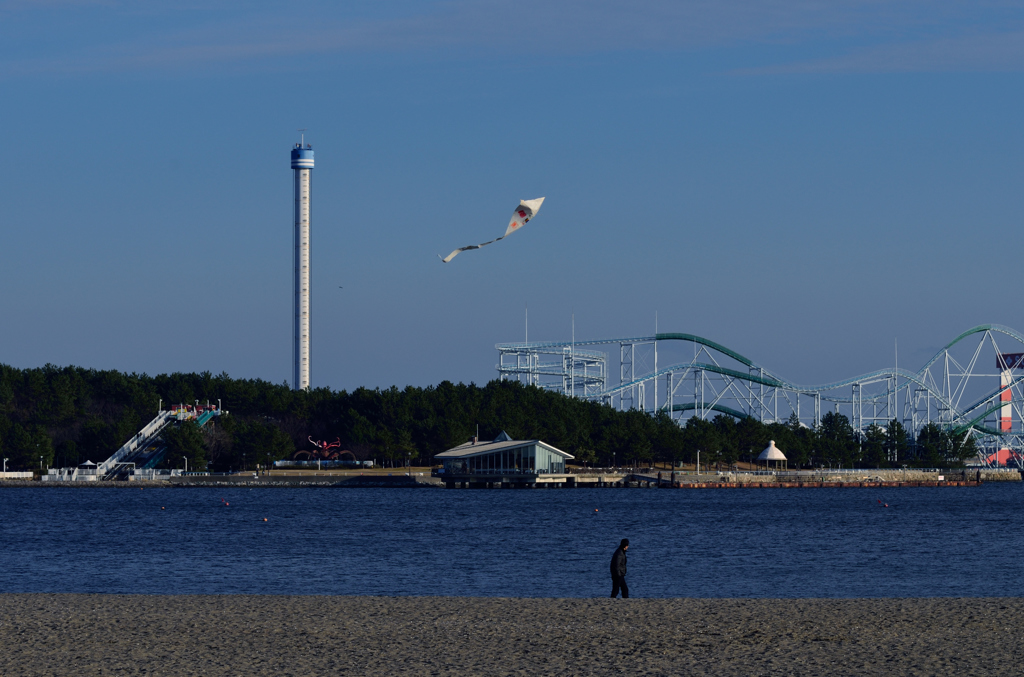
302	168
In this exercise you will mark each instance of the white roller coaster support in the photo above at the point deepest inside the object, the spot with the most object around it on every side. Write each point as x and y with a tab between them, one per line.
969	394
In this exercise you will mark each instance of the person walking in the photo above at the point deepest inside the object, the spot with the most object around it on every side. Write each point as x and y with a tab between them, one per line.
619	570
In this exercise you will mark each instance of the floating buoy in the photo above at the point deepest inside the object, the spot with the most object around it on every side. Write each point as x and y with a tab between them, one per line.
595	509
226	503
886	505
163	508
264	519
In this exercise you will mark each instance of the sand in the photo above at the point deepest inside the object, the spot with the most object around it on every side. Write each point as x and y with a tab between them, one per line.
50	634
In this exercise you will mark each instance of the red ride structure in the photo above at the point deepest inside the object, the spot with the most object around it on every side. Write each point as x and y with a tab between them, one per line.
323	452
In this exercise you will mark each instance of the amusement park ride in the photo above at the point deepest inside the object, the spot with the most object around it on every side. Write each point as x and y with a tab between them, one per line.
324	451
974	384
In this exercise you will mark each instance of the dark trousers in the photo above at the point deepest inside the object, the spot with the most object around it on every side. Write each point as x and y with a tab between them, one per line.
617	583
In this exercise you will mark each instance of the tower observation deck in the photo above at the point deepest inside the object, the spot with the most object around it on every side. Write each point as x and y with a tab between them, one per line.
302	168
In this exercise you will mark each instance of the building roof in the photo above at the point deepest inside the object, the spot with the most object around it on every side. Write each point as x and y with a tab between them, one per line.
501	442
771	453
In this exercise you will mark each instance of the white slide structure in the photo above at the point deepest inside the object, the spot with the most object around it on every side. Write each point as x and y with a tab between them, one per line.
140	441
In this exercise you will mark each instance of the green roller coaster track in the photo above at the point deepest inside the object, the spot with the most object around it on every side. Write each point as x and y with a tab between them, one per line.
764	377
692	406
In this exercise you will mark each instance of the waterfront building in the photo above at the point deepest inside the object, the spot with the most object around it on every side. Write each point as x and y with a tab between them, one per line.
502	460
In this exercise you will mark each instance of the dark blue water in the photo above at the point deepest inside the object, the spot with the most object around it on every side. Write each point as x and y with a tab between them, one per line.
685	543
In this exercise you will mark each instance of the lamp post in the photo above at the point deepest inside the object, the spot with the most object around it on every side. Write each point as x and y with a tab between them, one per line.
698	461
5	464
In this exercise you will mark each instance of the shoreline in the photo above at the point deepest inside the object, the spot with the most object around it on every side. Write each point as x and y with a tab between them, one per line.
868	478
88	634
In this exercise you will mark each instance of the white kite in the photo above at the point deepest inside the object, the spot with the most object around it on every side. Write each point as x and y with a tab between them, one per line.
526	210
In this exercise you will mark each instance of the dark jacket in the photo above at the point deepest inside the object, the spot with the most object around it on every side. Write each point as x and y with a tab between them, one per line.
619	563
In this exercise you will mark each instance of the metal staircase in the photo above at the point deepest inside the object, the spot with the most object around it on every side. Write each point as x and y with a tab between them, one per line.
122	460
146	449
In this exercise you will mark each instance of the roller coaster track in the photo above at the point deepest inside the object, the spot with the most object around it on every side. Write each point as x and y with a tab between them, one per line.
693	406
960	419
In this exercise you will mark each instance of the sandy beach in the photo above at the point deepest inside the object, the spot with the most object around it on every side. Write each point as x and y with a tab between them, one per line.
59	634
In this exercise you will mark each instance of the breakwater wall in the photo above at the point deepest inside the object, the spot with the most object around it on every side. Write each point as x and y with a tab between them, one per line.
295	481
846	477
820	485
36	484
245	480
646	479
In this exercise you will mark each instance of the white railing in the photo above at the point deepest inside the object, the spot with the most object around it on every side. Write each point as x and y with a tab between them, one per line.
71	475
153	474
138	441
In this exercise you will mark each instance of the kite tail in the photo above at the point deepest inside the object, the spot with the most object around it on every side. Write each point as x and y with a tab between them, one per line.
527	210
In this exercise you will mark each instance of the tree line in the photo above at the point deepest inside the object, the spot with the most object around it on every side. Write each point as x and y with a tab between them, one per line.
63	416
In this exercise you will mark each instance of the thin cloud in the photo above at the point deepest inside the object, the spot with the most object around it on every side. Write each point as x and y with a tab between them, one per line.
229	34
979	53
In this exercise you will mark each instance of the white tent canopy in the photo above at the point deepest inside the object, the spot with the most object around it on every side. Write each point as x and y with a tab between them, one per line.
771	453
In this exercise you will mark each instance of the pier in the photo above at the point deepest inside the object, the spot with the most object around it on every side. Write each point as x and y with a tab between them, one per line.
648	479
642	481
500	480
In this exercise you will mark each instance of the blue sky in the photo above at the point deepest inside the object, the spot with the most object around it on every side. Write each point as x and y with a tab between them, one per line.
801	181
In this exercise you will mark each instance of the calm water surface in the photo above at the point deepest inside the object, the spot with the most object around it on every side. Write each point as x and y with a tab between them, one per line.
543	543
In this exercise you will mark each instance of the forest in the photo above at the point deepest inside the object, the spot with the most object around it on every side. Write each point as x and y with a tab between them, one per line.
63	416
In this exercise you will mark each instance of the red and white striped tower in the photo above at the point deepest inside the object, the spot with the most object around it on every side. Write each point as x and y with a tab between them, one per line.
1006	363
1005	419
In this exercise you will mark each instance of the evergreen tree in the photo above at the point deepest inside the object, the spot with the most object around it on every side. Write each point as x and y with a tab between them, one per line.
837	443
184	442
897	444
68	415
873	451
